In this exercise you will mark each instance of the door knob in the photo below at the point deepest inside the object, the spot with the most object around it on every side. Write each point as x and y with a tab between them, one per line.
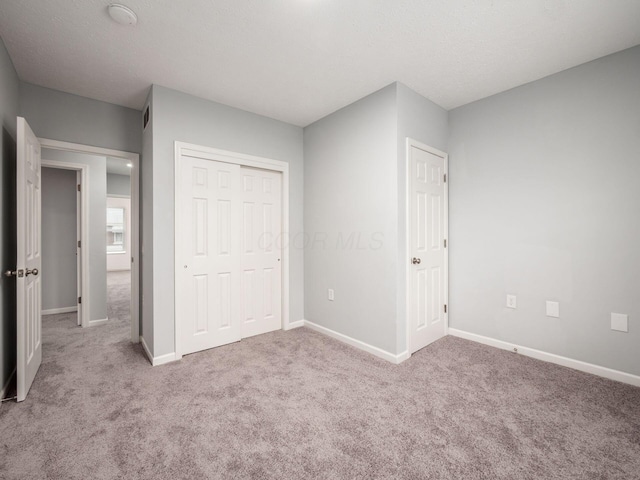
14	273
415	261
32	272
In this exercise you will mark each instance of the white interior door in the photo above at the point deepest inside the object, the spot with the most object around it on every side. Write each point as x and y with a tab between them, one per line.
209	287
79	244
261	251
427	247
29	262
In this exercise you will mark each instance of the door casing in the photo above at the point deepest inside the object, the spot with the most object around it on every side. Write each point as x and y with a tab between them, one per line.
134	159
82	170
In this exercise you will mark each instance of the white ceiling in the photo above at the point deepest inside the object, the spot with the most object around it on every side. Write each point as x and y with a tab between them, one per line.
298	60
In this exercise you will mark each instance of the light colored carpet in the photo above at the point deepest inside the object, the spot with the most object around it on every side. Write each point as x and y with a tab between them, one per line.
62	336
298	405
119	296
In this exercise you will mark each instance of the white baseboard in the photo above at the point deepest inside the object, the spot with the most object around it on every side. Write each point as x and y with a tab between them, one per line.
296	324
550	357
378	352
401	357
162	359
100	321
146	349
54	311
155	361
5	387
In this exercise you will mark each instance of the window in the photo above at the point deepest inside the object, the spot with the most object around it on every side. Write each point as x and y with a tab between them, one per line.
115	230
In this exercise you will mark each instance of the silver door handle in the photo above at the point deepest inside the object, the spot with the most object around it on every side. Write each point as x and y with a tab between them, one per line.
32	272
14	273
415	261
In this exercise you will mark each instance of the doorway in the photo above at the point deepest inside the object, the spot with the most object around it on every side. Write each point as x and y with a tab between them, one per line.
427	236
118	238
231	224
63	233
97	165
29	240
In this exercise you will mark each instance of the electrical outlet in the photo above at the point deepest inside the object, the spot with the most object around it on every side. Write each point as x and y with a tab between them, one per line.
620	322
331	295
512	301
553	309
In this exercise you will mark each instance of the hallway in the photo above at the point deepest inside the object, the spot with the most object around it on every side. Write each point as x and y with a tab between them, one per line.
61	337
119	298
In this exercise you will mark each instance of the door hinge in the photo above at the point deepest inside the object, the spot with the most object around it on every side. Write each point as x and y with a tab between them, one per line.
79	188
445	243
79	299
79	244
445	178
445	308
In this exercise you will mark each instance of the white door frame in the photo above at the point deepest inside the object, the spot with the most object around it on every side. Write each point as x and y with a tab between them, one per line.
79	252
409	305
134	159
83	169
207	153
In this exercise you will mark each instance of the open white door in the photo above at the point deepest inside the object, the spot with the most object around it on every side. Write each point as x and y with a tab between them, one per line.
29	262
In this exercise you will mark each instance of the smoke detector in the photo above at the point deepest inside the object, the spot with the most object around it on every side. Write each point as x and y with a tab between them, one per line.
122	14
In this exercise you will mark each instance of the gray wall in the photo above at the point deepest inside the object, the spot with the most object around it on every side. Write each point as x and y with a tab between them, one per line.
422	120
544	203
355	187
70	118
178	116
97	225
9	87
59	223
119	185
146	230
61	116
351	193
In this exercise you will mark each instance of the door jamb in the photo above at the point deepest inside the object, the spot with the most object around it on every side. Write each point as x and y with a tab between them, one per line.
409	294
134	159
79	229
83	169
207	153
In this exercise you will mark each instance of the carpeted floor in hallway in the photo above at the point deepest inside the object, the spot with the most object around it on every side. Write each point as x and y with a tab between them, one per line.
299	405
119	298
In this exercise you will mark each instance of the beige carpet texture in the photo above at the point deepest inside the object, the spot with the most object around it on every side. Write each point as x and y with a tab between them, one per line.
299	405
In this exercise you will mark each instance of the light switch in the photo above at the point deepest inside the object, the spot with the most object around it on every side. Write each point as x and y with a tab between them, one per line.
553	309
620	322
511	301
331	294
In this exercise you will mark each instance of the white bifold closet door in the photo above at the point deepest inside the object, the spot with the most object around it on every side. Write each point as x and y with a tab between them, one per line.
231	277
